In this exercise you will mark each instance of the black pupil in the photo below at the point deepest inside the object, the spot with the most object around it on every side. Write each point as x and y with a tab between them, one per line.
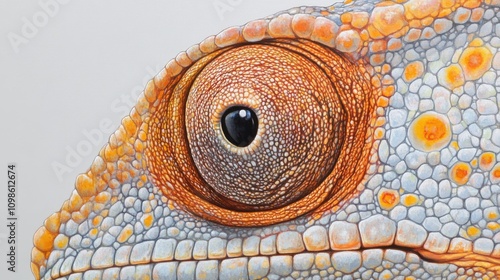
239	125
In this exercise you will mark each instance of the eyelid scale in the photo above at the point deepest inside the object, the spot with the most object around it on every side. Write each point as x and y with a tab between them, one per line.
430	191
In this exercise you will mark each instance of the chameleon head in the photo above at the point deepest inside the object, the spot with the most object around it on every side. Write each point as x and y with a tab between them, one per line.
354	140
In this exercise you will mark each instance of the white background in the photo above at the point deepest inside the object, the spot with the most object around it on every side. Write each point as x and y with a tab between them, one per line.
75	69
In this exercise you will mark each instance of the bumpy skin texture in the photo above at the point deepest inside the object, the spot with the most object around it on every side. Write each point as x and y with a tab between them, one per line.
425	206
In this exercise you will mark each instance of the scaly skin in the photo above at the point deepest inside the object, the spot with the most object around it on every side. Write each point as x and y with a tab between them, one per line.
418	195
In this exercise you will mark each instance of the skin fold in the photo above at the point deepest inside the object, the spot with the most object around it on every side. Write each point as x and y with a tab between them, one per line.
377	155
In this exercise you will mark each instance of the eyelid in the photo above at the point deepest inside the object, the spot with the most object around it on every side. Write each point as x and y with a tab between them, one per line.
180	180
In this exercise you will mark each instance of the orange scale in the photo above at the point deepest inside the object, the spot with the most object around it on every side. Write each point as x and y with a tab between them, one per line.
495	174
430	132
388	199
460	173
486	161
475	61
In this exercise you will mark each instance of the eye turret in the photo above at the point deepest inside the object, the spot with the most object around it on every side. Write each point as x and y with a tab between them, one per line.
262	133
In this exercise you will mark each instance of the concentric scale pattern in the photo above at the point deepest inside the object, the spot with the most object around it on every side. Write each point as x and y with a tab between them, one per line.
422	200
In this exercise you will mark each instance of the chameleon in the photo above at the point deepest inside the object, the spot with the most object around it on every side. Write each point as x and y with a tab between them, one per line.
355	141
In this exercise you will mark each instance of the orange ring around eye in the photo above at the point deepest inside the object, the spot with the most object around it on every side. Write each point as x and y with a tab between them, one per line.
174	171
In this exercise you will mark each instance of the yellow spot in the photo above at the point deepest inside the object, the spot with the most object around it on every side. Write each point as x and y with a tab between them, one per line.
430	132
125	234
475	61
96	221
493	226
409	200
148	220
413	71
451	76
93	233
486	161
460	173
473	231
492	216
379	133
388	198
387	275
61	242
495	174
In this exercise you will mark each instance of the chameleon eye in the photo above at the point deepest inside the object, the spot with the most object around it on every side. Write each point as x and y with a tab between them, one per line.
239	125
257	134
